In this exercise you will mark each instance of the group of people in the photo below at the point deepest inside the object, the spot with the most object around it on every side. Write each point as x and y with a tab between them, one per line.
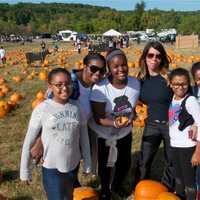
88	115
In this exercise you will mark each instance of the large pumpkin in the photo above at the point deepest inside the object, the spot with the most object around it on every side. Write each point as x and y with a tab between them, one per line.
149	190
85	193
167	196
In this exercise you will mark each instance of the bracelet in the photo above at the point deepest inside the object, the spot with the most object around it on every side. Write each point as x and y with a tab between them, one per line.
114	124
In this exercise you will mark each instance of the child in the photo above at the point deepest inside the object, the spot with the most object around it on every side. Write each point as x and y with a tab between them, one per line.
183	112
64	137
196	76
196	92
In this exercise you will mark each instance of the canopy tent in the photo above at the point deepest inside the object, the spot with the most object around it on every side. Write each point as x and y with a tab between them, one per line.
112	33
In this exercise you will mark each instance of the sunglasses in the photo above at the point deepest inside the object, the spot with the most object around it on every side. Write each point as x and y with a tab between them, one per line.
152	55
94	69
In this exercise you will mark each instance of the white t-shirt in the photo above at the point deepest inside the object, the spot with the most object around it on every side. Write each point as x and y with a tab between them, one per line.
119	102
181	138
2	53
64	137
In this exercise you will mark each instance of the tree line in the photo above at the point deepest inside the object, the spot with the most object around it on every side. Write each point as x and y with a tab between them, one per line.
29	18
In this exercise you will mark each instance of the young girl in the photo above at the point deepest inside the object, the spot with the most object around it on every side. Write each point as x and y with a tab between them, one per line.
114	99
64	137
196	92
183	112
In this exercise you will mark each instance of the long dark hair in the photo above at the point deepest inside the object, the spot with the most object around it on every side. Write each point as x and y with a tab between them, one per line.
165	60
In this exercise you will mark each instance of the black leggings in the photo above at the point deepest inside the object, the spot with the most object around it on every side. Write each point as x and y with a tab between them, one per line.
184	172
153	135
122	164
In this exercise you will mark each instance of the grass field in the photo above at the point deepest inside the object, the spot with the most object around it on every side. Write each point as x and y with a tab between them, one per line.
13	126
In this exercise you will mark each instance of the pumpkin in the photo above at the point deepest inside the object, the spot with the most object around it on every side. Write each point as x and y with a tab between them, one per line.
85	193
167	196
3	112
40	95
43	75
149	190
17	79
15	97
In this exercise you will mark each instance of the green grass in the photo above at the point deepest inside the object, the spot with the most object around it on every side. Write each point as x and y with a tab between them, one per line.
13	128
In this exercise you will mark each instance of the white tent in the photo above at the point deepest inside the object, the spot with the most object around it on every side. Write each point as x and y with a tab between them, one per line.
112	33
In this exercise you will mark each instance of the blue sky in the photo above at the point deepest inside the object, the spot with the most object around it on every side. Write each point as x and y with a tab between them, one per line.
184	5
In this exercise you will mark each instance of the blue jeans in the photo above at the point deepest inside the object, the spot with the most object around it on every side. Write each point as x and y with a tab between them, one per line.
57	185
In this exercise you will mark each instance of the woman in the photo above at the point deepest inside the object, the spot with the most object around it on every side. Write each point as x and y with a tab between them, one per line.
156	93
113	101
94	70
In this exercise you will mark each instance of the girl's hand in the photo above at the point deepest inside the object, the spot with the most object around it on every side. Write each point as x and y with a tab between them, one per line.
121	122
192	133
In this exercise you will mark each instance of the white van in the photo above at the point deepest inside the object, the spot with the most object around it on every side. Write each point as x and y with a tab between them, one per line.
68	35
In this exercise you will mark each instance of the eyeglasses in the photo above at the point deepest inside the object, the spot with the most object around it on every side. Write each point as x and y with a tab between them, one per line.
94	69
62	85
177	85
152	55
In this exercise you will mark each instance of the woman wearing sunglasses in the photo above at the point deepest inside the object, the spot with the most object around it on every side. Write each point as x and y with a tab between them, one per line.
82	81
156	93
113	101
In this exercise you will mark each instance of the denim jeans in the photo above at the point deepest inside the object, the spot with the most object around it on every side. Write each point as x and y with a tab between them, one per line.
57	185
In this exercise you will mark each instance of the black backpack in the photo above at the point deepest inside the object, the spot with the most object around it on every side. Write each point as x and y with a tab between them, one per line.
184	117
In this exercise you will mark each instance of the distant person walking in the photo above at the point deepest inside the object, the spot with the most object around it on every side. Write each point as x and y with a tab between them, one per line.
2	55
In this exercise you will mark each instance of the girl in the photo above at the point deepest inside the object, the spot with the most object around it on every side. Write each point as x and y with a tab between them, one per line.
64	137
82	81
196	92
183	112
113	101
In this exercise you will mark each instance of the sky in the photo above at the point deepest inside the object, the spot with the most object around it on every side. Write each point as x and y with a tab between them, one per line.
179	5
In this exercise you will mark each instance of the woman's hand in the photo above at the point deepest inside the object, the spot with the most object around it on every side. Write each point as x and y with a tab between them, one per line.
195	159
196	155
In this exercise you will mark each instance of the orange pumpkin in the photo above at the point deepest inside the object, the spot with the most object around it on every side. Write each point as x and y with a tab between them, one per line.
16	97
85	193
40	95
149	190
167	196
43	75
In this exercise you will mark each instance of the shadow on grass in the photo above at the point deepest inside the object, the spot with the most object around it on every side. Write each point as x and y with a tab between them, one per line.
10	175
23	198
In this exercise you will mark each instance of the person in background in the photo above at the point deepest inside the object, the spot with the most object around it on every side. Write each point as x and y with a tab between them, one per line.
2	55
195	71
64	138
113	100
184	110
157	95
